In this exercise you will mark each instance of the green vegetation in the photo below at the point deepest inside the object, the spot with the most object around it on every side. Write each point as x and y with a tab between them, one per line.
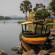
1	17
42	14
21	21
40	10
4	18
25	6
52	6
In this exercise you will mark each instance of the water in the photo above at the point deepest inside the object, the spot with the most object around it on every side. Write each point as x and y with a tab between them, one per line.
9	35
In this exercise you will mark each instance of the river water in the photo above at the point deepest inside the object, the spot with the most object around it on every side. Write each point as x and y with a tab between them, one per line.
9	35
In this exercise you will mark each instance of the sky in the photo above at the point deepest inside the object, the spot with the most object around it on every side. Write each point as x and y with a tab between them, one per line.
11	7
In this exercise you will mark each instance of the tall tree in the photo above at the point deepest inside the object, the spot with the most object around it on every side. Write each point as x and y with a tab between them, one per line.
52	5
25	6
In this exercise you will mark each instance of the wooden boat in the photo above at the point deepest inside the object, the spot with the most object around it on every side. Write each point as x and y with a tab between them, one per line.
33	37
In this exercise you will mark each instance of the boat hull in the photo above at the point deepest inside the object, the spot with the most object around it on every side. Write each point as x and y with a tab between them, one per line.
37	40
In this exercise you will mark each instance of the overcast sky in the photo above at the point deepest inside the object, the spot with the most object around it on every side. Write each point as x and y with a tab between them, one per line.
11	7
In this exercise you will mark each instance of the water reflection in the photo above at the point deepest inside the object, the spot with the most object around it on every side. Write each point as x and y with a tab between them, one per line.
9	35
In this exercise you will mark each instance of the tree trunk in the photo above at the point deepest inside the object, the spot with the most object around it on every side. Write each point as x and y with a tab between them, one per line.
26	15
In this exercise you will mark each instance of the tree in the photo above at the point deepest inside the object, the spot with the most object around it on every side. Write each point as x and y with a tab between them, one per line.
1	17
25	6
42	14
39	9
52	5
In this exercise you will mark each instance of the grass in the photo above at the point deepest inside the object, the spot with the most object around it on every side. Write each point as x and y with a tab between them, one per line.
21	21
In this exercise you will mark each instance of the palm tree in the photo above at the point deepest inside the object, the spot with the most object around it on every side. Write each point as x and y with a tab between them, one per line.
25	6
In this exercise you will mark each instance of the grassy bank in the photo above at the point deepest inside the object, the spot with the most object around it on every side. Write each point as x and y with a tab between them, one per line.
21	21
